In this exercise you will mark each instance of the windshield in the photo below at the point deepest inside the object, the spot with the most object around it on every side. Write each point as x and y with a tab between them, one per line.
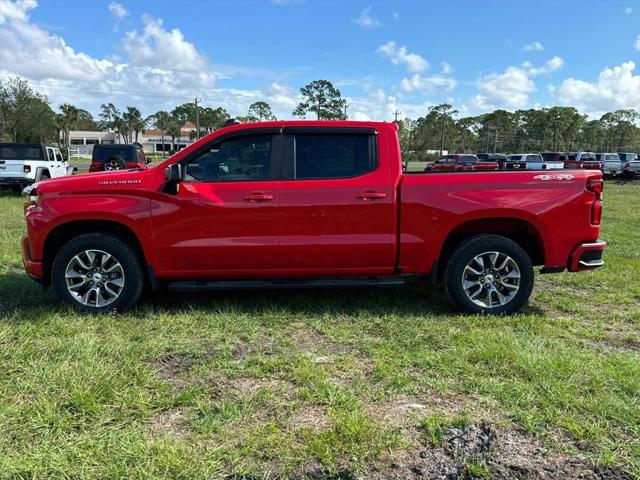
104	153
588	157
613	157
548	157
20	153
514	157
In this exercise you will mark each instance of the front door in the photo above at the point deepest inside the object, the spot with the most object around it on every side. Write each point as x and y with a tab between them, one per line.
223	220
337	204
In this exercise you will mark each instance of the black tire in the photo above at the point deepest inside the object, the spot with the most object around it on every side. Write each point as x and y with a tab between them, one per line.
475	246
122	252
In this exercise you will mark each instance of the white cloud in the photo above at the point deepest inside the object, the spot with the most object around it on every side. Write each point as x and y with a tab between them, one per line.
511	88
628	11
18	10
556	63
379	106
396	16
533	47
414	62
446	68
365	20
615	88
118	10
160	48
637	44
427	85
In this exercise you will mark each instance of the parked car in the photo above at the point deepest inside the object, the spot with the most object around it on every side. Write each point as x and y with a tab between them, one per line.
582	160
22	164
305	203
535	161
460	162
630	164
512	163
117	156
611	164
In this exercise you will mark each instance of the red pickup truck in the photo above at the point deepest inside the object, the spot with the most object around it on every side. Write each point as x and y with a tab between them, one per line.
305	203
460	162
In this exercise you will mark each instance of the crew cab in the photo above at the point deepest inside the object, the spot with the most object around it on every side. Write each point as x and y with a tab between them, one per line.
581	160
460	162
117	156
306	203
22	164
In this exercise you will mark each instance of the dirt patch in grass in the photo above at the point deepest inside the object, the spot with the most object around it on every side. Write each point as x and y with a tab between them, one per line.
314	418
313	342
171	366
168	423
249	387
479	450
402	410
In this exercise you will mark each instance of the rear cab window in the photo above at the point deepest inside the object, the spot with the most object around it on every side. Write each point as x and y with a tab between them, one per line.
468	159
103	154
538	159
21	153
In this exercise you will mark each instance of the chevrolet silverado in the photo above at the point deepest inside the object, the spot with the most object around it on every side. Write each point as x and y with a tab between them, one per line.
308	203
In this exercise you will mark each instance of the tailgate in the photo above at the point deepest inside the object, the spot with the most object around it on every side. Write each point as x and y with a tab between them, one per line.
11	168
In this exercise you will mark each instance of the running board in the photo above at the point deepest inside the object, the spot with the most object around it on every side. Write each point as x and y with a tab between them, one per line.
346	282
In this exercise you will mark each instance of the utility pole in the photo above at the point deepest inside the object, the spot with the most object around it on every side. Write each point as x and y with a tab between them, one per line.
396	116
345	111
197	120
495	140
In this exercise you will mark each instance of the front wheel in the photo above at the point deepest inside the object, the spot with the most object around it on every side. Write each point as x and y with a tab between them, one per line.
489	274
97	273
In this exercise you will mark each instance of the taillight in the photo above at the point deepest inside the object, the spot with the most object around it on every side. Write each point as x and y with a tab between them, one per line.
26	168
596	186
627	165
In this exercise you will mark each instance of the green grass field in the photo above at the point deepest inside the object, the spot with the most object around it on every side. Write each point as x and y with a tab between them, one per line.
327	384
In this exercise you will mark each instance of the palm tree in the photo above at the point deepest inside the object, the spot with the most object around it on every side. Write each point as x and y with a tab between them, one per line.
65	120
161	120
110	118
134	123
173	130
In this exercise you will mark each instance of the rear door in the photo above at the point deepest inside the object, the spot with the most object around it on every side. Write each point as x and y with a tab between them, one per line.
337	203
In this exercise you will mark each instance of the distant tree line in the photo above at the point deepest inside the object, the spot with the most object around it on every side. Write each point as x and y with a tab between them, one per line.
534	130
26	116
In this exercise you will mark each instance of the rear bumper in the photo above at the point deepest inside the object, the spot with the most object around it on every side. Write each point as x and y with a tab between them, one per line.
34	268
587	256
15	181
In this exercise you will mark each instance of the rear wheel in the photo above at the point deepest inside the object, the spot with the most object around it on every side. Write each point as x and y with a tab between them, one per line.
489	274
97	273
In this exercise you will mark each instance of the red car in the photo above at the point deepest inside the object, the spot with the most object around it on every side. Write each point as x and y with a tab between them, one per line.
306	203
582	160
116	156
460	162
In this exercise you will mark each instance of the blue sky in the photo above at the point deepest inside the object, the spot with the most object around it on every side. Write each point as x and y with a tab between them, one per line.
384	55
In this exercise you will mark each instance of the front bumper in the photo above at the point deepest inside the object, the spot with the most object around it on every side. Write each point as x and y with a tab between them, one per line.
587	256
34	268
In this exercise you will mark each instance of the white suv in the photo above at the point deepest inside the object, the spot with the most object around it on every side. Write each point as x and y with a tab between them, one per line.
22	164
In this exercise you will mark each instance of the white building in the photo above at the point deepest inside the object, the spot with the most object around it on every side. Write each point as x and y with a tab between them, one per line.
82	142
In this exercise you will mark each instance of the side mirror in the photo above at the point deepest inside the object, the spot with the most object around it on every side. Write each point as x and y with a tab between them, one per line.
173	173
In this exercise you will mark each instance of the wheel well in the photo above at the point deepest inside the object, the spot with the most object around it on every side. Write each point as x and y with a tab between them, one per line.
520	231
68	231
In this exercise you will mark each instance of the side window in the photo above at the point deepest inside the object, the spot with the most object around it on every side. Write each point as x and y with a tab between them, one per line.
238	159
535	158
59	156
334	155
50	154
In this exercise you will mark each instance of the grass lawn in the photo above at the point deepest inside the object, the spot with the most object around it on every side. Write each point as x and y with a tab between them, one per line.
327	384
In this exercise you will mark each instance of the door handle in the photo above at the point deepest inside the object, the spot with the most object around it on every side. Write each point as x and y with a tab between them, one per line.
256	197
371	195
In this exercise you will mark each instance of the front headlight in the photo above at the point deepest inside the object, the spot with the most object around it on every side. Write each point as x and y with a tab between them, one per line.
31	192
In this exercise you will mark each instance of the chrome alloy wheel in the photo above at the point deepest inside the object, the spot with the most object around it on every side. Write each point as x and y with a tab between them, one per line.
94	278
491	279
